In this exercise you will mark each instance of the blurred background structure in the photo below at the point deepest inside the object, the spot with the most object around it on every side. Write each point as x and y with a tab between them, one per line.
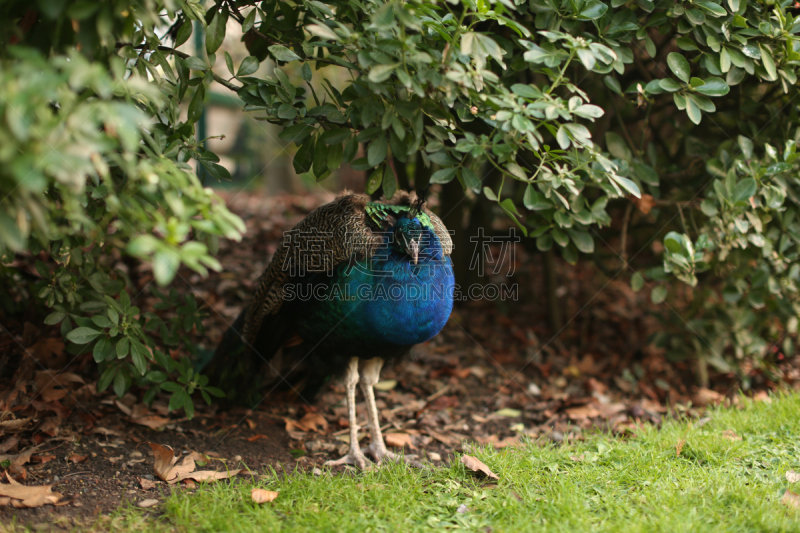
248	147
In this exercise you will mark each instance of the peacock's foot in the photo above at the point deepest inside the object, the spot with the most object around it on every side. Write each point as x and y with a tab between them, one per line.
357	459
380	453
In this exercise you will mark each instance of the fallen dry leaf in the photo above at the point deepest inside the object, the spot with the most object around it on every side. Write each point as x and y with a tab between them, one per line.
705	396
582	412
43	458
186	466
107	432
263	496
144	504
644	204
146	484
75	458
310	422
9	443
385	386
122	407
510	441
17	460
508	412
209	475
167	468
441	437
24	496
54	386
165	458
50	425
398	440
498	443
151	421
17	424
256	437
47	349
762	396
792	476
478	371
476	465
791	499
730	434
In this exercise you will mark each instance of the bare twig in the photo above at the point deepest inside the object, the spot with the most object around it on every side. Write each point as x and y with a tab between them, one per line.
683	219
76	474
625	220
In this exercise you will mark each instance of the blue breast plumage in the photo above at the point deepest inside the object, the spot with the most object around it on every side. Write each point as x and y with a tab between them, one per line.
383	303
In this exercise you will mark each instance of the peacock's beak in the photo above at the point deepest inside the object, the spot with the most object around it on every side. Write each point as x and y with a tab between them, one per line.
413	250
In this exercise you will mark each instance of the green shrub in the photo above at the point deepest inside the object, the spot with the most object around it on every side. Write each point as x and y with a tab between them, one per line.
95	165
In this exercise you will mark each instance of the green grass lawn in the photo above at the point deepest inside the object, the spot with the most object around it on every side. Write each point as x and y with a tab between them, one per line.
632	484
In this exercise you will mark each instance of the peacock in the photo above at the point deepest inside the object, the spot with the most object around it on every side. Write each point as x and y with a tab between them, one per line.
354	285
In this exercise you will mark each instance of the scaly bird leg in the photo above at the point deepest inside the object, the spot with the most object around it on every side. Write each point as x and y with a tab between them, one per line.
370	372
355	456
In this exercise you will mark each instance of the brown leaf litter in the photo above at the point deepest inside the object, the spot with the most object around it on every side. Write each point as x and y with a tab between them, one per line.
477	466
167	468
263	496
790	499
18	495
310	422
146	484
398	440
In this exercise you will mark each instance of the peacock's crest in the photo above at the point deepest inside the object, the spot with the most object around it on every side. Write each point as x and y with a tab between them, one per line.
383	215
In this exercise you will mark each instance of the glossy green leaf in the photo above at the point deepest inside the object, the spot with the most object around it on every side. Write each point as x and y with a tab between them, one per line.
471	180
249	21
195	63
679	66
583	240
102	350
389	183
444	175
593	9
381	73
197	104
713	87
281	53
375	180
249	65
376	153
215	32
627	184
83	335
693	111
745	189
769	63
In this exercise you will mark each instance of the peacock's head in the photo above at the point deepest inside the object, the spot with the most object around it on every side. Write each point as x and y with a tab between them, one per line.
407	236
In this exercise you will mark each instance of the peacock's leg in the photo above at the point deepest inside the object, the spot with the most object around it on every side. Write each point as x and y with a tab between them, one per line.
370	372
355	456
